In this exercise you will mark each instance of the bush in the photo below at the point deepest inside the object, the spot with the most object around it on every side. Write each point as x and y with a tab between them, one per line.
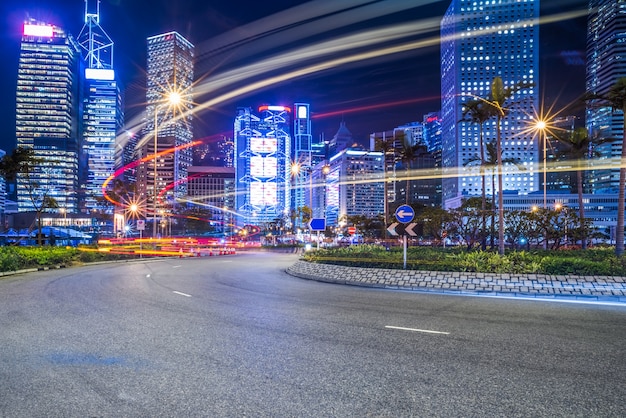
597	261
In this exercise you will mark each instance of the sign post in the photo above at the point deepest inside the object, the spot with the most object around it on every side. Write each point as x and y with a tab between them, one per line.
405	214
141	225
317	224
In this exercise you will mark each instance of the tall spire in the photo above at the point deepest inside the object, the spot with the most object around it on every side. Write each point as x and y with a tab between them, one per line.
96	44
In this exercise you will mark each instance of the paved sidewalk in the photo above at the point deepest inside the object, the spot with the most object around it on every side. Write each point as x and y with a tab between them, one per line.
589	288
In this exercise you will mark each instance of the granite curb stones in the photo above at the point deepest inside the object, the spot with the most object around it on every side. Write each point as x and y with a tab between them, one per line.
592	288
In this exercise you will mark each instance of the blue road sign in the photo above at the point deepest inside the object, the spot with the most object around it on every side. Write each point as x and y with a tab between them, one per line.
405	214
317	224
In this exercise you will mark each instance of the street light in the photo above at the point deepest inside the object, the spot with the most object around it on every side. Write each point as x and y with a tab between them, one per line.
541	126
173	98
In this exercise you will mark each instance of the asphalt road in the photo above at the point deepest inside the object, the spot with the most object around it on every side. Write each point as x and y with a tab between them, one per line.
236	336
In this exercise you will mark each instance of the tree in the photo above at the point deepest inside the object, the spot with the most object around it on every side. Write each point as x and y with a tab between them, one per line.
499	101
492	163
20	163
436	223
478	112
577	147
410	153
616	99
468	221
385	145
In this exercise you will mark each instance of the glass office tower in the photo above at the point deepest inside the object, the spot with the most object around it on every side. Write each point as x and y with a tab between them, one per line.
47	115
170	70
482	39
606	63
102	110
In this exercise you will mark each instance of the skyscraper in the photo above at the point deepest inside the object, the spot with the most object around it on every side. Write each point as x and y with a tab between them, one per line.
482	39
47	118
606	63
102	109
170	71
302	139
262	164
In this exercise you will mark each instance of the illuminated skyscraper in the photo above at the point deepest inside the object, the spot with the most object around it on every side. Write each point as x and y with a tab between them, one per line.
47	118
170	69
606	63
482	39
102	109
262	165
302	157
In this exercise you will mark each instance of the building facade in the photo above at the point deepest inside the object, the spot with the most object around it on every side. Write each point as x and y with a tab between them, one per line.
353	185
481	40
262	165
103	115
47	115
168	126
213	189
302	156
606	63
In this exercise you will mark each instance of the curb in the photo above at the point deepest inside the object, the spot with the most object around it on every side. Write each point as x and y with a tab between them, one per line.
579	288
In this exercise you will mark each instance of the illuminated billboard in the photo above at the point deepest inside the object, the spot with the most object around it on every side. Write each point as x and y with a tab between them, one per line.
99	74
43	31
263	145
264	167
262	194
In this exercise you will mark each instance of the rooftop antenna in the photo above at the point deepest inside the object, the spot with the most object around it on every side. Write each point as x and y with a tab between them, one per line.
96	44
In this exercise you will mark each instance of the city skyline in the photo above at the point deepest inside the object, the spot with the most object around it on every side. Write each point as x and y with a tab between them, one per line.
398	88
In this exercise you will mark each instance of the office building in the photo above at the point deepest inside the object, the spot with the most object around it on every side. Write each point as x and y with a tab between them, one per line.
102	110
47	115
262	165
213	190
606	63
168	124
302	157
481	40
353	185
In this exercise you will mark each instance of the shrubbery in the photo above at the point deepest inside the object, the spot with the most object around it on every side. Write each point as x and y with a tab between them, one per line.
598	261
17	258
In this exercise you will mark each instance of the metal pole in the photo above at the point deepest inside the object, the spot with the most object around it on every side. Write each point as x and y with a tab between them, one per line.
404	245
545	173
154	225
141	243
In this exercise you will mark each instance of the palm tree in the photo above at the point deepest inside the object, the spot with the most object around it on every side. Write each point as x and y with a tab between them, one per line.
478	112
385	145
616	98
500	96
577	147
491	163
410	152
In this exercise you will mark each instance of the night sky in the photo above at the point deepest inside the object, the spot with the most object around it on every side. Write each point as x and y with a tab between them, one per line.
370	95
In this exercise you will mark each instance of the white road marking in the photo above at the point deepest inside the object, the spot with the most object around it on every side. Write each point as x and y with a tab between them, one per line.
418	330
147	275
175	267
182	294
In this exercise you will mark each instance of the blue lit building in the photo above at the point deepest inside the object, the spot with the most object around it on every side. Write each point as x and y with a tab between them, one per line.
262	165
102	110
606	63
482	39
302	156
47	115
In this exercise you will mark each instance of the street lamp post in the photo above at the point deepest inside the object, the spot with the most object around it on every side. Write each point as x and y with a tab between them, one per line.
541	128
173	98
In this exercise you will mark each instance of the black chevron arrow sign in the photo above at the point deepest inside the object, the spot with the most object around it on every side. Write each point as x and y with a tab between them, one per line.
397	228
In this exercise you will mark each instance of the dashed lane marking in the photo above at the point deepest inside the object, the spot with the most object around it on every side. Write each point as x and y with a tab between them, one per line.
428	331
182	294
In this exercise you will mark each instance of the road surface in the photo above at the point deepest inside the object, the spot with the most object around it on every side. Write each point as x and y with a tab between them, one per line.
236	336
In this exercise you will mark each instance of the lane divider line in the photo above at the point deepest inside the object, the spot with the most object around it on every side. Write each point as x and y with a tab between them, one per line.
182	294
417	330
